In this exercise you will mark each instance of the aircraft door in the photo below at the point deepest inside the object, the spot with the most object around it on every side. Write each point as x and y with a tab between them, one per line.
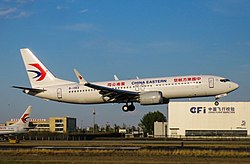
211	82
136	87
142	87
59	93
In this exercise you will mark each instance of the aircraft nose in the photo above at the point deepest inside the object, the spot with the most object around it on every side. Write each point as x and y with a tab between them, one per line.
234	86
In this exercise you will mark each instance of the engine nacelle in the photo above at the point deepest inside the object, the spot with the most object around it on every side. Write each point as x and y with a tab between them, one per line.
151	98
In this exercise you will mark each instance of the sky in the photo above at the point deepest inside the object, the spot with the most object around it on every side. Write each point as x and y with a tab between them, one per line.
129	38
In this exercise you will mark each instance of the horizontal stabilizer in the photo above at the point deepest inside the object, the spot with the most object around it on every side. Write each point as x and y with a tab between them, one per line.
30	89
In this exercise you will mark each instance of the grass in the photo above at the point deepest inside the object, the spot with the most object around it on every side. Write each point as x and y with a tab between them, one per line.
112	156
143	155
208	144
142	152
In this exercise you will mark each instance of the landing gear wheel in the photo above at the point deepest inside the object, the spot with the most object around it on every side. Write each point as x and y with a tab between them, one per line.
131	107
216	103
125	108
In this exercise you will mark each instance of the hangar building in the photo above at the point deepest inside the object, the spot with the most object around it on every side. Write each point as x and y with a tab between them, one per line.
206	119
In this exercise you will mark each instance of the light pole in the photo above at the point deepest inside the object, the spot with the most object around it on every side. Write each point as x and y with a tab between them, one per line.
81	125
94	120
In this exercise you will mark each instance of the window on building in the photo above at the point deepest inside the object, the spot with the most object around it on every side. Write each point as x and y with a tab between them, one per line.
216	132
58	129
59	125
58	121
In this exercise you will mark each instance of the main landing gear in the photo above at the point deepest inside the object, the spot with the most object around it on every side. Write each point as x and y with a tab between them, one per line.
127	107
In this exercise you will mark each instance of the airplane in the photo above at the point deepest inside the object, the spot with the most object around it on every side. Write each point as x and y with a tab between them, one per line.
21	126
147	91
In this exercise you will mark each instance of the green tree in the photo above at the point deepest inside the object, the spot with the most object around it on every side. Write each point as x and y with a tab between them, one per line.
147	122
116	128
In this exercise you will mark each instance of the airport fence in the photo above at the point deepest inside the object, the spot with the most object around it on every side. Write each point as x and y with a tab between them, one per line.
68	137
120	137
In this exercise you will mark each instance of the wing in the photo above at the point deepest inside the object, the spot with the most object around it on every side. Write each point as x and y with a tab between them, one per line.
110	94
115	95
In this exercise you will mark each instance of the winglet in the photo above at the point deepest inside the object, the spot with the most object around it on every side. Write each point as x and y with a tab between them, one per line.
80	77
116	78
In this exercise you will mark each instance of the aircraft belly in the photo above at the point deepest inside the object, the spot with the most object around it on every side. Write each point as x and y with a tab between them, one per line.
83	98
184	91
180	92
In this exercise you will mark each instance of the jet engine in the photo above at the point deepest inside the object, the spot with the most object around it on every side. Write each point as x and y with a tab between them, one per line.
151	98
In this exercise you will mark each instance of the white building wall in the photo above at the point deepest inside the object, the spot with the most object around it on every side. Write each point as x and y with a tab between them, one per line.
206	116
160	129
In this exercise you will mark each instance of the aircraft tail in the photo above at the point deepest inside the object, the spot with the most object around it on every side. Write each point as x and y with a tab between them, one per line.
24	119
38	74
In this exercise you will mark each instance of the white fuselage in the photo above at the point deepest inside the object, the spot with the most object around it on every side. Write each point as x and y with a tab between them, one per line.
170	87
11	130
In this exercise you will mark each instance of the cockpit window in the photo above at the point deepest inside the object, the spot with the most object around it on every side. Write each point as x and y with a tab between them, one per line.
224	80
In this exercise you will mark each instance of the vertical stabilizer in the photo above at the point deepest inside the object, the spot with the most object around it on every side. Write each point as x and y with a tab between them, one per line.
38	74
24	119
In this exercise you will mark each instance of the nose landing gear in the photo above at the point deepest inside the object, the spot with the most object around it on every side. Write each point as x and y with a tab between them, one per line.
216	103
127	107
